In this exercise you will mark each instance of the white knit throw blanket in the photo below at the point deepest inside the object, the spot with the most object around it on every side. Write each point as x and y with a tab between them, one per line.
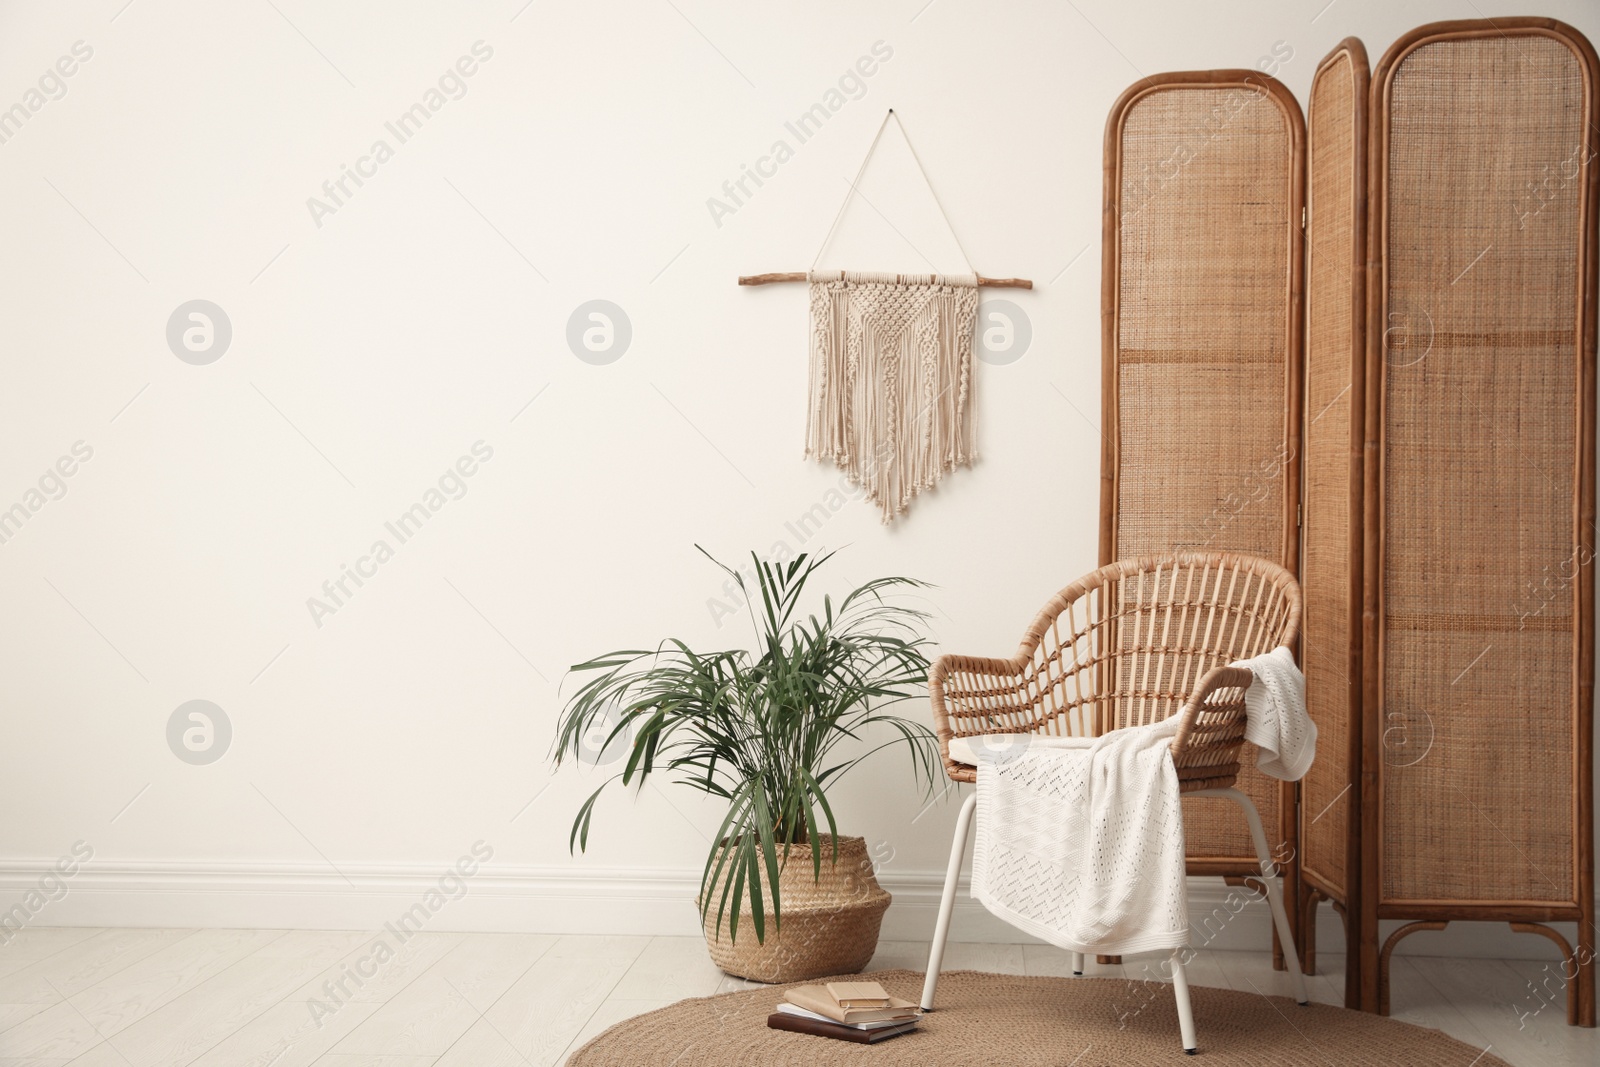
891	380
1275	716
1080	840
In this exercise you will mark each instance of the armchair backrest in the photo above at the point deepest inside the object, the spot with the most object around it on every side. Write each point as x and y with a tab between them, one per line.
1167	620
1125	645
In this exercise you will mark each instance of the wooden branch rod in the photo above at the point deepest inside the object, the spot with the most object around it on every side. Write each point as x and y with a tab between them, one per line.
800	276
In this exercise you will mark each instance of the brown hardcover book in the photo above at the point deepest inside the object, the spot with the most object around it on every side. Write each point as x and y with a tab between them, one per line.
783	1021
816	998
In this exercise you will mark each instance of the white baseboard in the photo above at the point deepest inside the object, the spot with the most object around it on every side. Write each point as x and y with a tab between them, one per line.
584	900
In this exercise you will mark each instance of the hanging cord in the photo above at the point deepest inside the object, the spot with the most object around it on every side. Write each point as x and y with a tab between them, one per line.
926	180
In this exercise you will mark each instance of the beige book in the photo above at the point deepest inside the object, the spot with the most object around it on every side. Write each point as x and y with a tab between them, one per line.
859	994
817	998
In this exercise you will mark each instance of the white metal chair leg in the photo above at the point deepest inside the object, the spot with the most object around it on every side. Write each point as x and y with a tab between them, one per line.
1280	918
1077	963
1180	992
952	874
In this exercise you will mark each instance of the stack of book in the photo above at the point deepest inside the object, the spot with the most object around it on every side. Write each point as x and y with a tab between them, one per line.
849	1011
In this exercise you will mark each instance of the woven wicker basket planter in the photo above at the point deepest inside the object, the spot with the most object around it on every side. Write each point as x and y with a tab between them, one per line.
829	925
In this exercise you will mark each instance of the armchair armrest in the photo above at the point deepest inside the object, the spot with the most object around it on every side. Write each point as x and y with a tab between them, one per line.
975	685
976	695
1213	720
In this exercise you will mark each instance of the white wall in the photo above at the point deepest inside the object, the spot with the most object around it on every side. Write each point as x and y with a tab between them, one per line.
374	345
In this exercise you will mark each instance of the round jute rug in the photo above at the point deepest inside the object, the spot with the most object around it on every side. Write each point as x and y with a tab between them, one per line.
1049	1022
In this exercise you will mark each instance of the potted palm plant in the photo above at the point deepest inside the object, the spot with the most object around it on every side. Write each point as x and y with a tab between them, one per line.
770	730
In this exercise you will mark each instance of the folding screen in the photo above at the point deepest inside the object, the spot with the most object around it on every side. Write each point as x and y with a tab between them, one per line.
1330	641
1479	494
1201	354
1449	453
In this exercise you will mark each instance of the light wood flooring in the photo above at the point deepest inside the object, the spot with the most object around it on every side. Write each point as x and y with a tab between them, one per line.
248	998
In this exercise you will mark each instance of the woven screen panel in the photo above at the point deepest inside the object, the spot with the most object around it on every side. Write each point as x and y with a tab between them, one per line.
1482	254
1334	127
1202	322
1207	221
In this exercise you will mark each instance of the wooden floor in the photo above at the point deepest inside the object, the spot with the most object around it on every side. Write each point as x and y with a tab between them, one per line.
115	998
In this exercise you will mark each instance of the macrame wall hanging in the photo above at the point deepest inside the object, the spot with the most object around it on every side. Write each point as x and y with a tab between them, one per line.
891	385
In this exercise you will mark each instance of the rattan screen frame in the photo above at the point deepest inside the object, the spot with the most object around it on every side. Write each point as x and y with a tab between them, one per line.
1244	865
1425	915
1345	893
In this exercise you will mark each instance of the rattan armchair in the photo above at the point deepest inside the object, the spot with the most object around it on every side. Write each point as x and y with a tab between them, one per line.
1130	644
